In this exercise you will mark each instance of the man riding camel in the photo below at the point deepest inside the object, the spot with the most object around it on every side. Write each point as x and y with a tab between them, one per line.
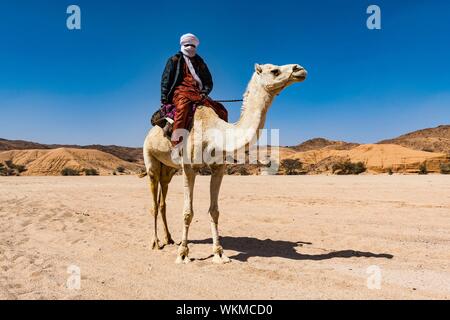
186	81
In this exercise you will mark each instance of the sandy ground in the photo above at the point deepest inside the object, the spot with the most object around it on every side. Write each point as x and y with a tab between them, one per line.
302	237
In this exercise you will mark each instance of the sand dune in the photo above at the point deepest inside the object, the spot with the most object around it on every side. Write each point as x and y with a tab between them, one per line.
128	154
51	162
321	154
377	157
404	154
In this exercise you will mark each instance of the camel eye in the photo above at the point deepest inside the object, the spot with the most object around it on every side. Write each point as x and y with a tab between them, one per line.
276	72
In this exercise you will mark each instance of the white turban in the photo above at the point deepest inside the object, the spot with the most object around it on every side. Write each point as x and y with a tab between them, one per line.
189	38
190	52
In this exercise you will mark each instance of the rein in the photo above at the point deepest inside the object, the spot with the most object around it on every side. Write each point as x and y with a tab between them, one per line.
240	100
236	100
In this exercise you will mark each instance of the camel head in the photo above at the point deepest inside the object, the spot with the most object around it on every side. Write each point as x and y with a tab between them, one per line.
275	78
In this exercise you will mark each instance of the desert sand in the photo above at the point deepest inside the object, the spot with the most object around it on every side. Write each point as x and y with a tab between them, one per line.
289	237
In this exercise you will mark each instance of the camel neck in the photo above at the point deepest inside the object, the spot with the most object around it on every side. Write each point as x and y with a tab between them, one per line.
257	101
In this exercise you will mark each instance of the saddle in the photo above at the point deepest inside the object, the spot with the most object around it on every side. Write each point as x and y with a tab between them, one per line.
165	116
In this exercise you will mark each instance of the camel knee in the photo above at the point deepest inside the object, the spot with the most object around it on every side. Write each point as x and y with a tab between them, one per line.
154	212
188	215
214	214
154	175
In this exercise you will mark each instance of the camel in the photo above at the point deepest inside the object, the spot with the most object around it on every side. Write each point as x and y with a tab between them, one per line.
161	160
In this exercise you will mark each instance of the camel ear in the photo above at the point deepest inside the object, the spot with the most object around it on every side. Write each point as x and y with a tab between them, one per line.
258	68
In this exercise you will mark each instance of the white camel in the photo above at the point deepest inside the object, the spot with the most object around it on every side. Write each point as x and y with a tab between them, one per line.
267	82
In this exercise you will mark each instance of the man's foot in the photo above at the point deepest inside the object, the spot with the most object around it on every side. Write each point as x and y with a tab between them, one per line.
168	130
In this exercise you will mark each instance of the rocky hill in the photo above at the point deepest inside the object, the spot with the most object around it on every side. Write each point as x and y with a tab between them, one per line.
431	139
6	145
403	154
319	143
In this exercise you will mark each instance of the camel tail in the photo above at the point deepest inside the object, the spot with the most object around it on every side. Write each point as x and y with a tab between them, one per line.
142	174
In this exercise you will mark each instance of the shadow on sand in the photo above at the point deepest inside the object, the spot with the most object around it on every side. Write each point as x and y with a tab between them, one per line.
252	247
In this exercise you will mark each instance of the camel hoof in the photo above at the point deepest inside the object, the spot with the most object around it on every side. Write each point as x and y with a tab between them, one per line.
183	255
186	260
179	260
221	259
182	259
225	259
168	241
155	245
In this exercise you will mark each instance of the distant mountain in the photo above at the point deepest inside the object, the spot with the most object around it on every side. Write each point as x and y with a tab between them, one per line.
431	140
6	145
125	153
403	154
320	143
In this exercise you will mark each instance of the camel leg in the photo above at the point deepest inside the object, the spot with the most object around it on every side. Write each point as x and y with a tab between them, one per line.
188	213
166	176
153	171
217	173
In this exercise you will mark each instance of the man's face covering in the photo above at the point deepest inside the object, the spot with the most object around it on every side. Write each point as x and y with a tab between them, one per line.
189	50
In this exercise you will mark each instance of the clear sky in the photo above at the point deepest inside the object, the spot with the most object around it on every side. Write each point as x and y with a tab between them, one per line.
101	84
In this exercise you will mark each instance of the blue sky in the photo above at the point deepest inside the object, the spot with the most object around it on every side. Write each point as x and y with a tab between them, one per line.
101	84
